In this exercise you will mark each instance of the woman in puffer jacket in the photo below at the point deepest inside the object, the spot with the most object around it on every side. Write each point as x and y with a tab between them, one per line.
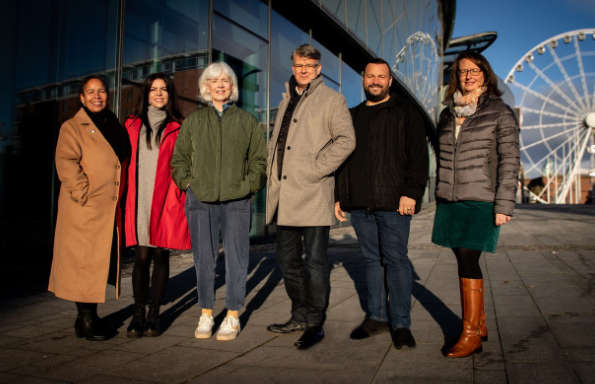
478	166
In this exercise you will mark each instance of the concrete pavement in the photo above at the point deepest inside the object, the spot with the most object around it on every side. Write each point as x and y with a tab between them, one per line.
539	300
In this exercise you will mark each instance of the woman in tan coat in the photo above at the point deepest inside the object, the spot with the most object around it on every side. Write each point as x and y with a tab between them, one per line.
92	152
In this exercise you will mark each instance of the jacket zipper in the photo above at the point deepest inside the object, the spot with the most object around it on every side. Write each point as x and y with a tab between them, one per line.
220	119
454	154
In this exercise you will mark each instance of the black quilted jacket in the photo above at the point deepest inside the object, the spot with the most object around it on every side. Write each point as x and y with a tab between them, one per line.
483	163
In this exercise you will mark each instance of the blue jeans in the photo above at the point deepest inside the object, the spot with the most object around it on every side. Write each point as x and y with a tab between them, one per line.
306	278
204	222
383	238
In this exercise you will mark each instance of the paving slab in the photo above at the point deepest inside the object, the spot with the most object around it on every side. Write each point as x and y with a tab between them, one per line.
540	305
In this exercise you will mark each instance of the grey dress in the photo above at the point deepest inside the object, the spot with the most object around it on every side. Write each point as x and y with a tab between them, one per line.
147	168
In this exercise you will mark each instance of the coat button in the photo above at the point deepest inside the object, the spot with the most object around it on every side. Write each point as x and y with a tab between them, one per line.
288	147
117	166
295	120
117	183
115	198
284	177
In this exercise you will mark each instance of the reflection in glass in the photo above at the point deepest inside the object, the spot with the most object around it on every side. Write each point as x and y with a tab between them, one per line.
170	37
251	14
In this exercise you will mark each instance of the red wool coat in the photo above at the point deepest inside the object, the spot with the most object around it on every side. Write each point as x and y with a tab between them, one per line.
168	227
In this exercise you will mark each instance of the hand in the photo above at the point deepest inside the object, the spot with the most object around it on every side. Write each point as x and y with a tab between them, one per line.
406	206
339	213
502	219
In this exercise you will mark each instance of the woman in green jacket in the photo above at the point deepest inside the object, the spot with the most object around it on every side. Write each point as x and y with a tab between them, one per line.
220	161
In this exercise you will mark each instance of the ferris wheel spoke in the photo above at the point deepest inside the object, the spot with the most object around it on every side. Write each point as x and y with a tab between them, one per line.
555	87
545	140
553	153
545	99
578	155
545	126
581	68
567	78
542	112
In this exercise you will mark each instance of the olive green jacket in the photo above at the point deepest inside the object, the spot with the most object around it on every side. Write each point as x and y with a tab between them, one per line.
220	158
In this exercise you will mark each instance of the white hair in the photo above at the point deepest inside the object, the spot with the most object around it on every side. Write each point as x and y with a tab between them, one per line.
213	71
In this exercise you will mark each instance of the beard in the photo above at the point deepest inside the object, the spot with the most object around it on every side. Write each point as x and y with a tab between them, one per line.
372	97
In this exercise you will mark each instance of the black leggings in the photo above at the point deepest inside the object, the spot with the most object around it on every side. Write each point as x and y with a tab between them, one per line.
140	274
468	263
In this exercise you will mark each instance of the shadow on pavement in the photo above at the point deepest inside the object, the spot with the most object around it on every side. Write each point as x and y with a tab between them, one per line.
449	322
182	290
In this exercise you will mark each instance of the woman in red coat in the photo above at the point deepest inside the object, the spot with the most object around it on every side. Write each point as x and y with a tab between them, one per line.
155	221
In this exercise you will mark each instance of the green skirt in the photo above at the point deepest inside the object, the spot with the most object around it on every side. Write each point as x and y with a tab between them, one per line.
466	224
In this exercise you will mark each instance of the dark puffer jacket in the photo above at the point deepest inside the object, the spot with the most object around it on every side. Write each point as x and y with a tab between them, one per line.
483	164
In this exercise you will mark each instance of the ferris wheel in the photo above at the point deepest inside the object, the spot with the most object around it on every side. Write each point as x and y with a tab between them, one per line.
417	64
554	88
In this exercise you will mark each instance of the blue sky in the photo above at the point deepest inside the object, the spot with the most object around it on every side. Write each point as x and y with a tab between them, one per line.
521	24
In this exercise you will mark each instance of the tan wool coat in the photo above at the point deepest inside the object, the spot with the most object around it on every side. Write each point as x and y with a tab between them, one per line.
320	138
88	208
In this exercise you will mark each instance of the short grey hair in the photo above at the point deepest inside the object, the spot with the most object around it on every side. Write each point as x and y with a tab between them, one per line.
307	51
213	71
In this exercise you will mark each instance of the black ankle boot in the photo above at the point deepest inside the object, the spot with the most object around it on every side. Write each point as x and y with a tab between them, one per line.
137	324
152	328
89	325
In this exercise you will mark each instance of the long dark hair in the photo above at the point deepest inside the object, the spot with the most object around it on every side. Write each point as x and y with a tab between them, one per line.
490	78
173	114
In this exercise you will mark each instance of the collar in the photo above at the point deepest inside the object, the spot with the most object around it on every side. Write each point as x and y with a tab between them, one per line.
225	106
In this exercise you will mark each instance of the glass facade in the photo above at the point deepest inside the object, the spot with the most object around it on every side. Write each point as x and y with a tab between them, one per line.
406	33
53	44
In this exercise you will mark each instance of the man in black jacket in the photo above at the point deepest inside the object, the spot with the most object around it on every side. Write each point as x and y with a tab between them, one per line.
382	184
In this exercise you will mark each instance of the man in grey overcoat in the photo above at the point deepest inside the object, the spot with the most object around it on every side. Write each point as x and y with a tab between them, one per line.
312	136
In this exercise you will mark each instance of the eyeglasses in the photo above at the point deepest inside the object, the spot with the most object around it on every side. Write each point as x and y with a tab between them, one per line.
473	72
309	67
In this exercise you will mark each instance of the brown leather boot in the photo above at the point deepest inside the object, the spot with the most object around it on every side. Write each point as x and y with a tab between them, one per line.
470	339
483	329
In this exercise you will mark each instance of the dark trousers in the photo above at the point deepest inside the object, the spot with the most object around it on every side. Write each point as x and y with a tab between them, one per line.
383	237
306	276
205	220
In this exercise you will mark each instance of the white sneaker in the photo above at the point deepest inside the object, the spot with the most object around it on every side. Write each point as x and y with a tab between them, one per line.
229	329
204	329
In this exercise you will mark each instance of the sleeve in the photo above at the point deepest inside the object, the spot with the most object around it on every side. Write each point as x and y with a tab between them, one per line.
181	159
507	144
342	174
69	154
416	147
257	157
342	141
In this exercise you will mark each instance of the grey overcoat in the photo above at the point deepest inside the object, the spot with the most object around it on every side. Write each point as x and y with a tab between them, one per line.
320	138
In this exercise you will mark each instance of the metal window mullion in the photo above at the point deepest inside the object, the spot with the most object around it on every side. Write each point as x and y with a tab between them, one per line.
119	59
210	34
269	60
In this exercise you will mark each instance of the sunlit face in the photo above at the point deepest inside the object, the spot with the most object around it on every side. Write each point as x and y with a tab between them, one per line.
158	95
470	76
219	88
305	70
377	81
94	96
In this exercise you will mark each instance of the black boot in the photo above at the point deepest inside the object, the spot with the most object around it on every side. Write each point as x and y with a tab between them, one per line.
152	328
137	324
89	325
